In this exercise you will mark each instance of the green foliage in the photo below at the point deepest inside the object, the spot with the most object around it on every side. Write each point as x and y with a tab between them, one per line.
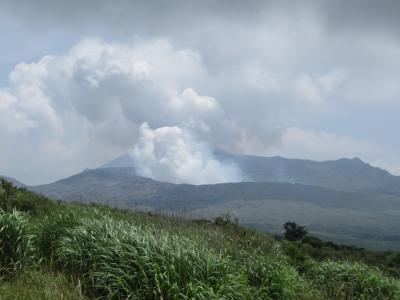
21	199
117	260
293	232
316	249
51	229
297	257
226	220
39	284
6	187
345	280
14	243
273	278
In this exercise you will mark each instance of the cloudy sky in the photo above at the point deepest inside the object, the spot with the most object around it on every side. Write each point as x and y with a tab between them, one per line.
83	81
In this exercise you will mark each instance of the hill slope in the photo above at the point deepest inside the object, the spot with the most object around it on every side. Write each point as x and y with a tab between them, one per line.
364	218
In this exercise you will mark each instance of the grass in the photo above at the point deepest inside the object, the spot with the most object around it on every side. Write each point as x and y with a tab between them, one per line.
15	243
75	252
39	284
344	280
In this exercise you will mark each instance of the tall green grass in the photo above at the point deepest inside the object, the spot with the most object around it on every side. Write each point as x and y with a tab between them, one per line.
50	230
99	253
125	256
117	260
15	243
273	278
40	285
345	280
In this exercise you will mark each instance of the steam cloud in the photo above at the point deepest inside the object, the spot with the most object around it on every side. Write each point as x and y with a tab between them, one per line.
173	154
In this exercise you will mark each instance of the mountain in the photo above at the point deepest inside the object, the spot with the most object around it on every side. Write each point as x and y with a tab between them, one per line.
14	181
343	174
124	160
362	218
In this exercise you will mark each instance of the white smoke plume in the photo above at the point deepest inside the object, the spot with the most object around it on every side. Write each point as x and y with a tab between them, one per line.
173	154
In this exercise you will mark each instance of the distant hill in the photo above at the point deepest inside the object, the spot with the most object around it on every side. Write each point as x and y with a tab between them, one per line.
14	181
363	218
342	174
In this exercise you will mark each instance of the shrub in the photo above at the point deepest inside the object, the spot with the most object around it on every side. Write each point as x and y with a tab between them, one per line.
293	232
226	220
297	257
14	243
344	280
273	278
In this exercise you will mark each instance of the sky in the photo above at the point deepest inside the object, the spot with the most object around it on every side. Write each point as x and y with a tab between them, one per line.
82	82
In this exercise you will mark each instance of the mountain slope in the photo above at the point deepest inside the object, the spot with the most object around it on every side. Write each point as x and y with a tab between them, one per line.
342	174
357	217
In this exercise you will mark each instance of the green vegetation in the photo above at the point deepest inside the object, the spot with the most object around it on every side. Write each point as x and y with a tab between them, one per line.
14	243
313	248
69	251
293	232
40	284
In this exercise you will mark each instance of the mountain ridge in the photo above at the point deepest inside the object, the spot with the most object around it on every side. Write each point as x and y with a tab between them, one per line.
345	174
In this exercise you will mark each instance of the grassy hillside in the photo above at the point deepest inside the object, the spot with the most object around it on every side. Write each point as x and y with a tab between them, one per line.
51	250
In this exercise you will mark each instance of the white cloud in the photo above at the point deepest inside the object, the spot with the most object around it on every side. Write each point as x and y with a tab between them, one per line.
190	99
81	108
6	100
307	91
173	154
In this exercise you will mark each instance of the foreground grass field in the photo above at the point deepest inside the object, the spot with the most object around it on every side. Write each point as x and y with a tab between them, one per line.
59	251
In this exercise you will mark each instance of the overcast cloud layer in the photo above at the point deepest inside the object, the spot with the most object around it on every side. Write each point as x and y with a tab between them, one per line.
307	79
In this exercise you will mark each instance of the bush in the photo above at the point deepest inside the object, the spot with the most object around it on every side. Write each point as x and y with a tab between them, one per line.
273	278
227	220
344	280
297	257
293	232
15	243
21	199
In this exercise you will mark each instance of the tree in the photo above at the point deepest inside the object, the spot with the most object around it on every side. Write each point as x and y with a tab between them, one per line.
6	186
293	232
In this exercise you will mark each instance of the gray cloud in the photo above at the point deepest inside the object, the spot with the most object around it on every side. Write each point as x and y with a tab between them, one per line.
161	17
